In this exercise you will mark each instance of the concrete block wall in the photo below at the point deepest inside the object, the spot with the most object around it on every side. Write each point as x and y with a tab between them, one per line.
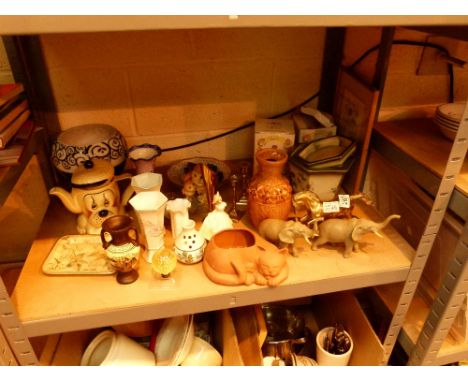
171	87
417	80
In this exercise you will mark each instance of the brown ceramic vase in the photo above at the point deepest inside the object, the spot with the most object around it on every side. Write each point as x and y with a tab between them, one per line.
269	193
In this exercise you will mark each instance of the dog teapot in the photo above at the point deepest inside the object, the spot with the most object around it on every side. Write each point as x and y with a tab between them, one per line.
95	195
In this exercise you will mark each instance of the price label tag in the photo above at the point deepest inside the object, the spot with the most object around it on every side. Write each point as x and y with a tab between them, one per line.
344	201
329	207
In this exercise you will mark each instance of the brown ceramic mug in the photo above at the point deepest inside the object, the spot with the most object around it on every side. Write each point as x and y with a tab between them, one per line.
121	229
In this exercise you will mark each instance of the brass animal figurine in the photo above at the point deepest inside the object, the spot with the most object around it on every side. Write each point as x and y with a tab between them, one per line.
311	203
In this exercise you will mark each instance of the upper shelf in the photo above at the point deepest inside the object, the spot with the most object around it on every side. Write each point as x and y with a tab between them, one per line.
17	25
53	304
422	151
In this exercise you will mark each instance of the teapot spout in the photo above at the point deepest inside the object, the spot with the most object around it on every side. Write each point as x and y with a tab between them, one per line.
67	199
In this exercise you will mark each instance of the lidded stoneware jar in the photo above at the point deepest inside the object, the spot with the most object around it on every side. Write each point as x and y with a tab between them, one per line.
269	194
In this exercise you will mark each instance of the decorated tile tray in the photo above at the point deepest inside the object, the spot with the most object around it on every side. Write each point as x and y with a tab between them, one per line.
77	255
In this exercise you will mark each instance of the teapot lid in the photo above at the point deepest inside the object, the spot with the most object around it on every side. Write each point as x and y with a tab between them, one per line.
92	173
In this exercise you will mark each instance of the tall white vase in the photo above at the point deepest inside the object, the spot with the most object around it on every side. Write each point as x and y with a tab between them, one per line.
149	207
178	210
147	181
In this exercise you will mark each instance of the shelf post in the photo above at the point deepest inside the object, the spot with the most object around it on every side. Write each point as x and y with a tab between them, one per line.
447	184
13	332
445	306
454	285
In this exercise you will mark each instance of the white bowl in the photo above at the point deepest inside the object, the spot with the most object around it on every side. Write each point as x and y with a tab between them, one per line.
451	111
442	122
109	348
202	354
174	340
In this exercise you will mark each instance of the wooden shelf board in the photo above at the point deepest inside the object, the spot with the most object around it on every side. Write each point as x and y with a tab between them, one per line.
36	24
54	304
432	149
450	351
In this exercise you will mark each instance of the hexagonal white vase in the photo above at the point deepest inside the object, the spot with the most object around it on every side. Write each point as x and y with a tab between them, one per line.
149	207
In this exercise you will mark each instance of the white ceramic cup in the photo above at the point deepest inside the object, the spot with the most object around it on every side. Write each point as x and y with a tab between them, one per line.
109	348
202	354
325	358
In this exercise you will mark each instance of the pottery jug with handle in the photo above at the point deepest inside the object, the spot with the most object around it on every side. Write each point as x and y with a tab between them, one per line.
119	237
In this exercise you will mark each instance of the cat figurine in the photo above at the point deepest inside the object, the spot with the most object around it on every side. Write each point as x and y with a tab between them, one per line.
232	257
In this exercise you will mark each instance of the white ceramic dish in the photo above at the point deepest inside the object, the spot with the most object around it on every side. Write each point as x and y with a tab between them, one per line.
301	360
177	171
78	255
202	354
174	340
451	111
116	349
446	123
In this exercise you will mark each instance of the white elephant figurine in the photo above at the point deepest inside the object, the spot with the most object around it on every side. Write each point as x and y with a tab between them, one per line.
283	233
348	231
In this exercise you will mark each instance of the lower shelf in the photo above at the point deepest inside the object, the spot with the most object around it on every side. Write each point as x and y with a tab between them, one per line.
452	349
239	333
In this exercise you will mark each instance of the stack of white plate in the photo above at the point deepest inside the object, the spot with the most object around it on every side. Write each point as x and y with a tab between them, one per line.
448	117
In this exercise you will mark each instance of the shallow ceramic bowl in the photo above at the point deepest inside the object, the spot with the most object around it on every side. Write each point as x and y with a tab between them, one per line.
80	143
324	153
174	340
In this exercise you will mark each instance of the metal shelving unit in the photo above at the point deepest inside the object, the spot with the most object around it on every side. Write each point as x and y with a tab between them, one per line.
21	317
430	346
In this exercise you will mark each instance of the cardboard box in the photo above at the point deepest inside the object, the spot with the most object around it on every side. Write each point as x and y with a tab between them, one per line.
278	133
309	129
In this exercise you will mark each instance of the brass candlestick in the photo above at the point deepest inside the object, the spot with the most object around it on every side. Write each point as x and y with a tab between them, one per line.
241	204
233	213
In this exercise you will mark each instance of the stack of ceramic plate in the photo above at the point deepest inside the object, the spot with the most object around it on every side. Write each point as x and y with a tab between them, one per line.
448	117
